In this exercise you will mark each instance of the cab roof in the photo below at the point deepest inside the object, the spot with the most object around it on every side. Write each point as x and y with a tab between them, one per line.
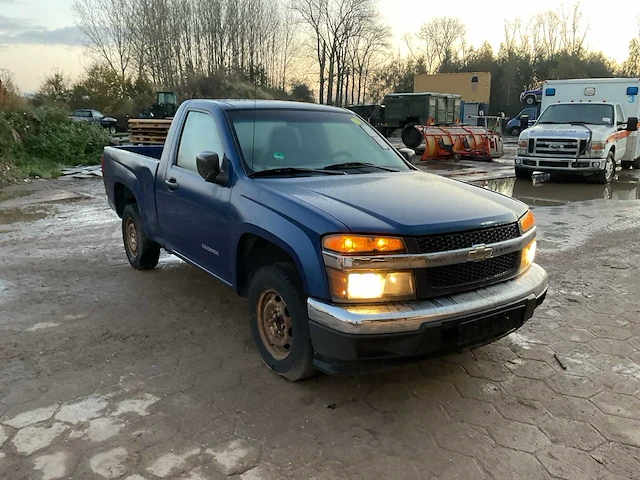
250	104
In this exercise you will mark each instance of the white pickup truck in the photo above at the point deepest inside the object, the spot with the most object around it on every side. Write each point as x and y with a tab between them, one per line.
587	127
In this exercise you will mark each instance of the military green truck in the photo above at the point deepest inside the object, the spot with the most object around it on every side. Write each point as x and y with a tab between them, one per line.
405	110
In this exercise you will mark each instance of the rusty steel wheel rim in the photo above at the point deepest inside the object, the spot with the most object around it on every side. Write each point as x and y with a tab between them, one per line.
274	324
131	236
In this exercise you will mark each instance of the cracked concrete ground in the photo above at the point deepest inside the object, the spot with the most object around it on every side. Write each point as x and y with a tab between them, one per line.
107	372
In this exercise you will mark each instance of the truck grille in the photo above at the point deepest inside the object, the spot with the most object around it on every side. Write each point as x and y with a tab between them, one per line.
469	273
561	147
456	241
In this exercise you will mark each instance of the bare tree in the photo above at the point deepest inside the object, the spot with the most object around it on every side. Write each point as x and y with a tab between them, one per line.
573	29
334	29
7	82
442	36
107	25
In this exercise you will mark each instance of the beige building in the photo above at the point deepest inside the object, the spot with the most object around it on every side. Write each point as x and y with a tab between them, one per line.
472	86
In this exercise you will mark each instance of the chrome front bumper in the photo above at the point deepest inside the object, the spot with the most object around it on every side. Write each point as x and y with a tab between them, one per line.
550	167
410	316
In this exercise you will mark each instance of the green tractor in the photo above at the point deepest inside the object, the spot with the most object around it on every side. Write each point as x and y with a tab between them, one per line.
165	107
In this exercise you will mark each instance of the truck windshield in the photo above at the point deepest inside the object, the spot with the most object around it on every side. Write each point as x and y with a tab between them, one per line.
591	113
282	140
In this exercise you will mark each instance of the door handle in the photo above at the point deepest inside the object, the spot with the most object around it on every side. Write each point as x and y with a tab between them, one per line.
172	184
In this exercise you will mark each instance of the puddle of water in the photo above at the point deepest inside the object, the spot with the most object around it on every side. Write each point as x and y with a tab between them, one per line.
540	191
443	166
4	196
25	214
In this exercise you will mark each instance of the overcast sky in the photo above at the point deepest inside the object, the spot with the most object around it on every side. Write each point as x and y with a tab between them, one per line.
39	35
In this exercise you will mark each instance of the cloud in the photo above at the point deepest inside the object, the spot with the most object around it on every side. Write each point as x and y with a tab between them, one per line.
13	24
70	36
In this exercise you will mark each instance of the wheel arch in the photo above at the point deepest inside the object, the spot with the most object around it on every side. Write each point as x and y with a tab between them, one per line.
257	249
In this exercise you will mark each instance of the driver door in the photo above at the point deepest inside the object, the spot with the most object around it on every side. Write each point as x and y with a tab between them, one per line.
192	212
622	135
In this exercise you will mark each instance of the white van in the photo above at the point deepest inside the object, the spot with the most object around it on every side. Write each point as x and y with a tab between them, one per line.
587	127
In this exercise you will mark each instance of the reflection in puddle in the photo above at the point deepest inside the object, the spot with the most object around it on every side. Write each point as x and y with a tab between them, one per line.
542	192
24	214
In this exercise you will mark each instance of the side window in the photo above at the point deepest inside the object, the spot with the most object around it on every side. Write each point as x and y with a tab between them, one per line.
199	134
620	114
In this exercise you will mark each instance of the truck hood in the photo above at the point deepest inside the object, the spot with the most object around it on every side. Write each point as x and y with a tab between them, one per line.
407	203
598	132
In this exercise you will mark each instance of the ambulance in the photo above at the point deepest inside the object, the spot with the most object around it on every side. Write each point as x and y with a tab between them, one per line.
587	127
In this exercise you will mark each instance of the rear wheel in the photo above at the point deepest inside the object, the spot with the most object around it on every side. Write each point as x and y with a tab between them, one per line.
279	322
411	137
608	172
523	173
143	254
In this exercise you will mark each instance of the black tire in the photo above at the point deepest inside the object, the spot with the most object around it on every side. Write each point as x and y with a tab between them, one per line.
636	164
279	322
112	129
143	254
411	137
626	165
530	100
607	174
515	131
523	174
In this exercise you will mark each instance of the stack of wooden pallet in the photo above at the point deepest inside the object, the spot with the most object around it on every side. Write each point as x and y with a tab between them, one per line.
144	131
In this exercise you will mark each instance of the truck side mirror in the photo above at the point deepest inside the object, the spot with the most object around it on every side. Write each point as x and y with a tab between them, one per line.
208	164
524	122
408	154
632	124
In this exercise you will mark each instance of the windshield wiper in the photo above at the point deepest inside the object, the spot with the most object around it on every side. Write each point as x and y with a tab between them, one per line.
339	166
291	170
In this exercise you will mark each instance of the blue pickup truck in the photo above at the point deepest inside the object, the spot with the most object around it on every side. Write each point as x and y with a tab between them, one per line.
349	256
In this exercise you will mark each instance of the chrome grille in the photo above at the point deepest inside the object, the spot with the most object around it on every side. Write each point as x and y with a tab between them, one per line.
468	273
456	241
561	147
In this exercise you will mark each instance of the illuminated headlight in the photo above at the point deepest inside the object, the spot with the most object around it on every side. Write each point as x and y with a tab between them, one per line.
371	285
528	255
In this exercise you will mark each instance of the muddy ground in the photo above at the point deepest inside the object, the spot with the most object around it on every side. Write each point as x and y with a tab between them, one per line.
108	372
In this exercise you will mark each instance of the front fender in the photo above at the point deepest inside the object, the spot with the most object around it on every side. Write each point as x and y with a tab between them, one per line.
301	244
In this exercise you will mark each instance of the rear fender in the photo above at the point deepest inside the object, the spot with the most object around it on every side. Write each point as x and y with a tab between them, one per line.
145	200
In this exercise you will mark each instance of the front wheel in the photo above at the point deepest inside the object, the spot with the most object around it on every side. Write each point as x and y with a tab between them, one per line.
143	254
530	100
279	322
608	172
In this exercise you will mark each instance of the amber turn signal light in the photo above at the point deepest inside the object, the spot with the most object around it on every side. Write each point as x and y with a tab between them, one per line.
353	244
527	222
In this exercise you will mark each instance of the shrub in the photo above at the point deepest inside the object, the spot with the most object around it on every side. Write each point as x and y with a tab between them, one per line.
39	141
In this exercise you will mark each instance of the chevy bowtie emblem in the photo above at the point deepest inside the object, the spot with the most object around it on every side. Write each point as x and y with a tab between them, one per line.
480	252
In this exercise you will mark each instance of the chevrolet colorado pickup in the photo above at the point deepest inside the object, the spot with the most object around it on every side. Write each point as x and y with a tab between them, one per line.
348	255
